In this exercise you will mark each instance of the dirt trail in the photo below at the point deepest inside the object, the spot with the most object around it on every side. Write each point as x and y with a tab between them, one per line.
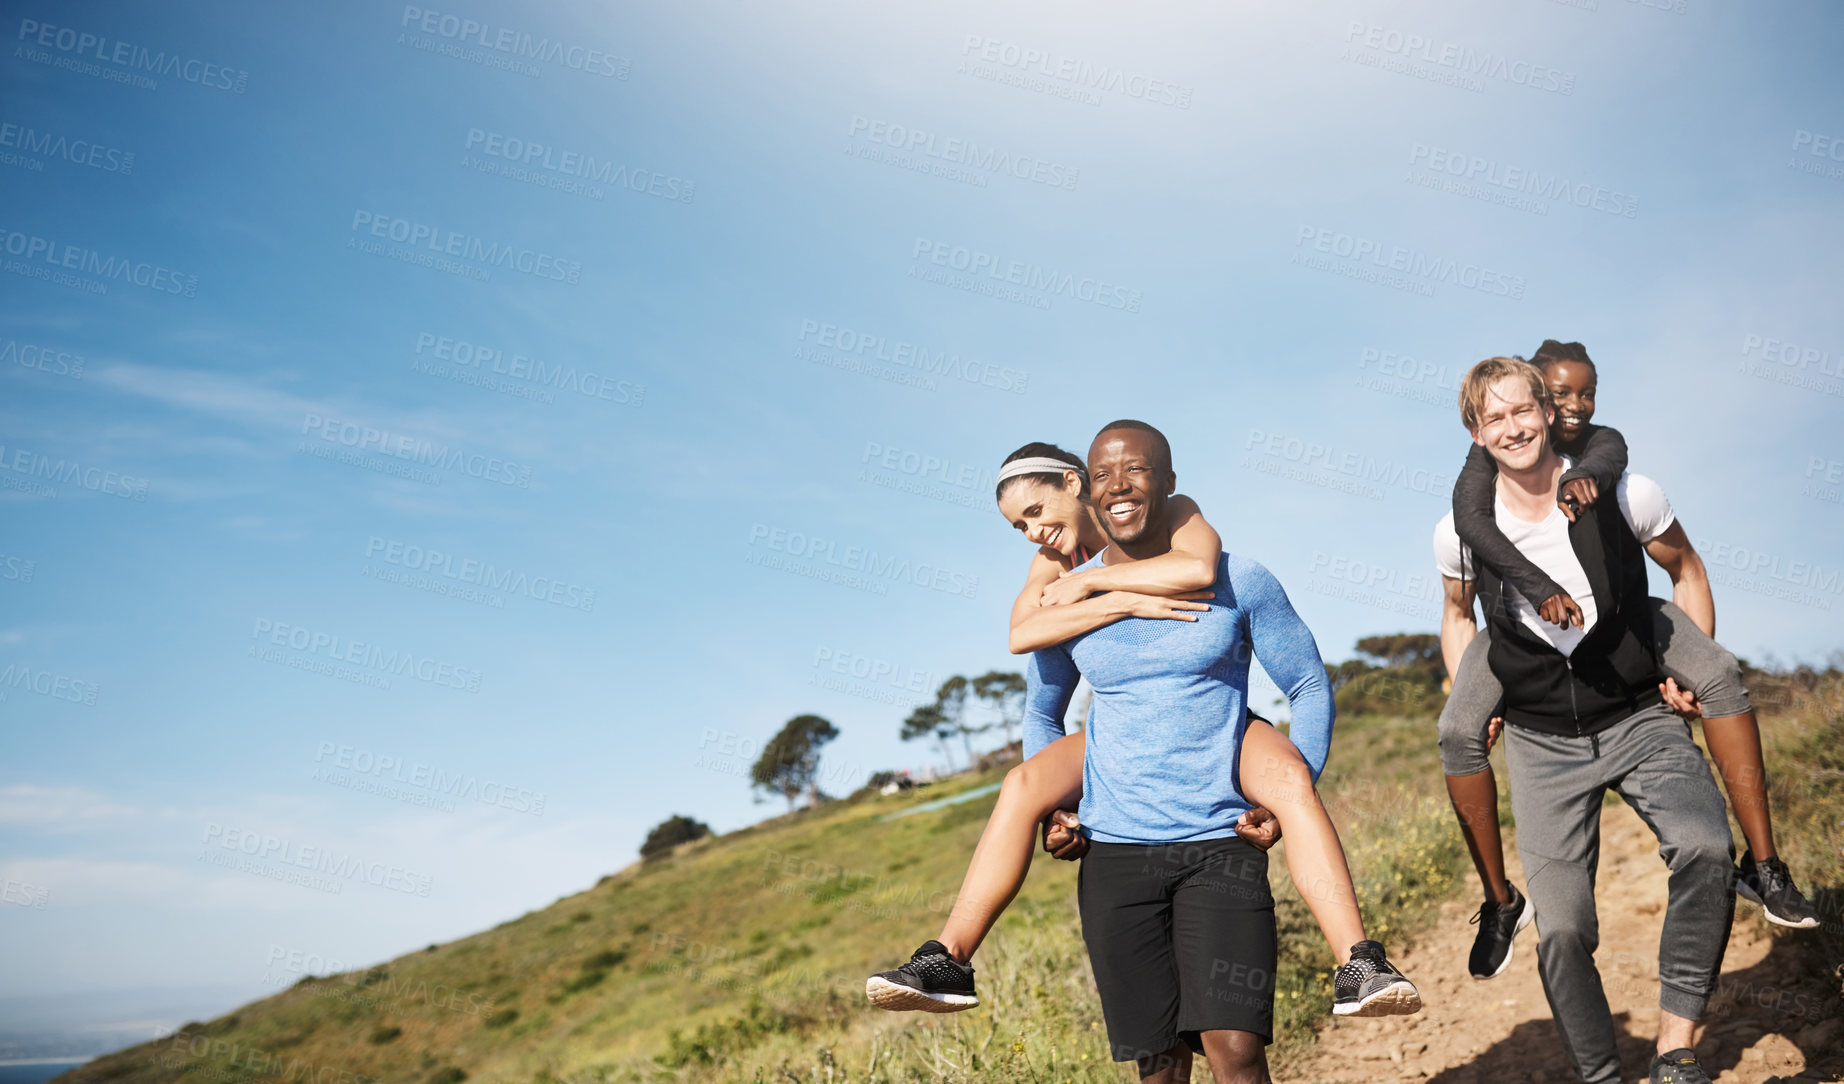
1499	1031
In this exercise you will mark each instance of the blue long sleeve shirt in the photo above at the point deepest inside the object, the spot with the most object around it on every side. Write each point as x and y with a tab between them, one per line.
1170	707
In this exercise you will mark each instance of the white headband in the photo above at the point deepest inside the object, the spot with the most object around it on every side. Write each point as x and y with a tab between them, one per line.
1035	465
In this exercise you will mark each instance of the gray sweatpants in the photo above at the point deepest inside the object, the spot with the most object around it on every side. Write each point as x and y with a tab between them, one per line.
1556	788
1699	664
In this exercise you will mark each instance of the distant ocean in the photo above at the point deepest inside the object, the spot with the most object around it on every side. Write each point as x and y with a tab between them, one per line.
35	1072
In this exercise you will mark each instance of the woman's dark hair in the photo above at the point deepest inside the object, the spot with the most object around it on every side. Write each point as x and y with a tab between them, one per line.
1049	478
1551	350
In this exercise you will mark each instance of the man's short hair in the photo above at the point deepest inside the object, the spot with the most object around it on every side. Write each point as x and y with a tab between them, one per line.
1551	350
1490	371
1162	446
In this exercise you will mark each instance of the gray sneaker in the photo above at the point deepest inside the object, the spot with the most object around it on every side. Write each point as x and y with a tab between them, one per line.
1369	985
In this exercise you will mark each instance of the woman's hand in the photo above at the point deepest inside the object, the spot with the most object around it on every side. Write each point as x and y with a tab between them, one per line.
1177	607
1259	827
1682	701
1061	838
1577	496
1067	589
1561	609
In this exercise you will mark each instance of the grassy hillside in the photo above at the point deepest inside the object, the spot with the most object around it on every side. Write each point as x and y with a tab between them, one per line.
743	957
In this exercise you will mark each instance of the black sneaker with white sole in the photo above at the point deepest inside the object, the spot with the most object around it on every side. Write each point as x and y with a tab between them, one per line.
932	981
1678	1067
1771	885
1369	985
1499	924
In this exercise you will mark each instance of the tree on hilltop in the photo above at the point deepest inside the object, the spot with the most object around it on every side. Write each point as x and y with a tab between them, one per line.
1414	651
790	762
929	721
951	698
1005	692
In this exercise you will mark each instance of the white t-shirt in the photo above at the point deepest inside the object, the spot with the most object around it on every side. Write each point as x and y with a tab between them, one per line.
1643	504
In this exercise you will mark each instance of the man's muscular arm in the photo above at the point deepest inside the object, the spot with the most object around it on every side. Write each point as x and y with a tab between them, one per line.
1690	581
1457	625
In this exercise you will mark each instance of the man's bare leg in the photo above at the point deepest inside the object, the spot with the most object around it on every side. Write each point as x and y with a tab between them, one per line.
1675	1032
1171	1067
1236	1057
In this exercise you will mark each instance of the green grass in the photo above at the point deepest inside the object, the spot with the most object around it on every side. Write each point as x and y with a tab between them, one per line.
743	957
1802	723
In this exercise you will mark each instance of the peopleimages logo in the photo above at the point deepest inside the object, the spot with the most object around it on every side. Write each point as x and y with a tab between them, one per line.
1390	373
1023	274
1077	75
1358	580
859	345
389	769
17	569
34	250
515	43
1793	364
1553	187
962	152
417	236
31	465
1410	265
522	370
474	573
21	677
852	566
365	438
577	165
335	869
922	474
1828	150
371	661
1359	473
46	359
1462	59
1764	565
934	468
82	152
81	46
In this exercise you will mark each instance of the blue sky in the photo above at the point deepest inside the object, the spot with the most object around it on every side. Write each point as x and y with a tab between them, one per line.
602	326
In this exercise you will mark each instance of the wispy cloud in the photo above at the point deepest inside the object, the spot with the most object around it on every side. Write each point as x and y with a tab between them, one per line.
58	809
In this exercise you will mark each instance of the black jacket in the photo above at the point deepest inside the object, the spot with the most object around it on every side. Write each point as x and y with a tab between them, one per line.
1613	672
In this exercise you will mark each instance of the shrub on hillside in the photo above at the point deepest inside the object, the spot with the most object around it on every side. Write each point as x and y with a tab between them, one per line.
670	833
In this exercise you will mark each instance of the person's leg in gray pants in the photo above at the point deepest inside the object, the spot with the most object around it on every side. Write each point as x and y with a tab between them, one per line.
1556	789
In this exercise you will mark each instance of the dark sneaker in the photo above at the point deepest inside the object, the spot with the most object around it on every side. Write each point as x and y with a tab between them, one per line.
1499	924
1369	985
1770	885
932	981
1678	1067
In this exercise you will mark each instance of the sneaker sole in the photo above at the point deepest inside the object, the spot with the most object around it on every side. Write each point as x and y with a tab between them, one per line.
1396	999
1529	916
1751	896
899	998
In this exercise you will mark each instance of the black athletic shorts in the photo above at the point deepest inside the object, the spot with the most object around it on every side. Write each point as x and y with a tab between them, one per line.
1182	940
